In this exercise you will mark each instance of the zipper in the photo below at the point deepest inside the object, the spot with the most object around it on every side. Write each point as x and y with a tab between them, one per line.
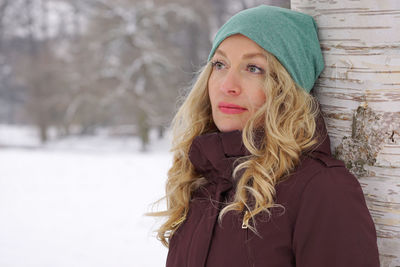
247	245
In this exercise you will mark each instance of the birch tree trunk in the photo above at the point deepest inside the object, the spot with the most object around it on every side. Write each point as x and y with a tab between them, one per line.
359	92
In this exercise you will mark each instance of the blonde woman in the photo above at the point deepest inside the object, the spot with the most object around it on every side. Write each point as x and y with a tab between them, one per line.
253	182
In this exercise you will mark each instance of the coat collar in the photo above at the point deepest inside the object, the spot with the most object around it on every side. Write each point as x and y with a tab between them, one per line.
216	152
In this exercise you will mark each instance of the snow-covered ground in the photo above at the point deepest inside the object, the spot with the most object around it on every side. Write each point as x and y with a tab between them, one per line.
79	202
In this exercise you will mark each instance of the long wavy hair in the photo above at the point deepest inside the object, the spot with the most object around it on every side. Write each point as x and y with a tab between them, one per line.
288	118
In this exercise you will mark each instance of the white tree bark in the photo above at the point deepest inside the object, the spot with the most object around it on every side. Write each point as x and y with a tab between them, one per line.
359	92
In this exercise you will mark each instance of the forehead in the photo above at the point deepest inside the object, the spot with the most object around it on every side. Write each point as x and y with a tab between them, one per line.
240	45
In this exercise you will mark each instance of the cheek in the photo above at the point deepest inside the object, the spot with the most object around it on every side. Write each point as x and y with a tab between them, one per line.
258	99
211	87
256	96
262	98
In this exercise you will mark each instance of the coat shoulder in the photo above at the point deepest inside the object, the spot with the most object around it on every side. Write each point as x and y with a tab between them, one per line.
311	166
315	175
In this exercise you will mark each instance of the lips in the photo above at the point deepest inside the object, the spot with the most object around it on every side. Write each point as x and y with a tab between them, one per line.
229	108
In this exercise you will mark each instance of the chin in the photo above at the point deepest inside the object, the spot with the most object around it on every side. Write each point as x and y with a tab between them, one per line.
229	128
228	124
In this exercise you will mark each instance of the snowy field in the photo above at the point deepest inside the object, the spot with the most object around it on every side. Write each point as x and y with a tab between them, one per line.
79	202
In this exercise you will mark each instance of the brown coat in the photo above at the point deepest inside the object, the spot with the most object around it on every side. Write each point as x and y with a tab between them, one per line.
326	222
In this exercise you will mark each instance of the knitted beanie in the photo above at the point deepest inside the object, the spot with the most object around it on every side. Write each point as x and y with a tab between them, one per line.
289	35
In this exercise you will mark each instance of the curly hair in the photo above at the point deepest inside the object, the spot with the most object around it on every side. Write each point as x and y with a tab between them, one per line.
288	119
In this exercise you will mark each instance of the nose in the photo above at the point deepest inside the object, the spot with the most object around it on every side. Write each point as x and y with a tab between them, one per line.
231	84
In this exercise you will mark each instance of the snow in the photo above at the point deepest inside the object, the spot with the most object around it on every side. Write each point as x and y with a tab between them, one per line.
79	202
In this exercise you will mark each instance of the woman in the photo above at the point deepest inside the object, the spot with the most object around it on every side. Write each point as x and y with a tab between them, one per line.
253	182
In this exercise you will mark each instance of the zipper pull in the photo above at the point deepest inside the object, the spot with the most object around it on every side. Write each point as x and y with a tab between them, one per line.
245	223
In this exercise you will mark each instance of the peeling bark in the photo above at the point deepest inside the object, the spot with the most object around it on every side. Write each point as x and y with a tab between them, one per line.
370	132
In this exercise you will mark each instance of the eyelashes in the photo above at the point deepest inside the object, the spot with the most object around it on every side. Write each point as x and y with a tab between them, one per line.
252	68
216	63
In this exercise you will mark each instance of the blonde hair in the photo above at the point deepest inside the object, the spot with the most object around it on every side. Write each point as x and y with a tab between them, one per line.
288	120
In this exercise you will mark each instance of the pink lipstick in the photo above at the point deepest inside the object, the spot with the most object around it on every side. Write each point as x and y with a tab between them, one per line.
228	108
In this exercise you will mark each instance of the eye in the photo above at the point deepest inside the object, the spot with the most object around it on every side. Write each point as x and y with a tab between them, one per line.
218	65
255	69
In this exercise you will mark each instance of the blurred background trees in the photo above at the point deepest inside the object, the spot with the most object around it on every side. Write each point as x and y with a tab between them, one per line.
76	66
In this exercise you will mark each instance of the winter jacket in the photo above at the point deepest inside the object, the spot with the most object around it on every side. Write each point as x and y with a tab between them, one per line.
326	222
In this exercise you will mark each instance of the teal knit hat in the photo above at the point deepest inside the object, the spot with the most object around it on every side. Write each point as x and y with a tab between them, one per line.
289	35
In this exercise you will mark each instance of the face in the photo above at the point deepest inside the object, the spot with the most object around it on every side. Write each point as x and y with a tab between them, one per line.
236	83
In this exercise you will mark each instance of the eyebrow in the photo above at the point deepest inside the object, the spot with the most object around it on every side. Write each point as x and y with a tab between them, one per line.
246	56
